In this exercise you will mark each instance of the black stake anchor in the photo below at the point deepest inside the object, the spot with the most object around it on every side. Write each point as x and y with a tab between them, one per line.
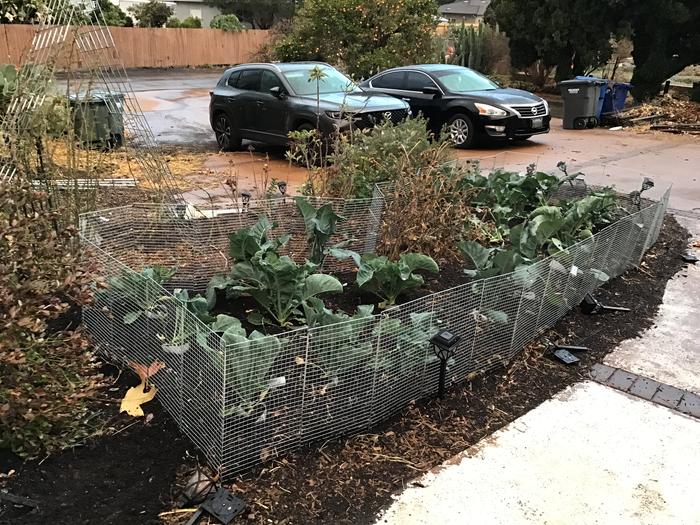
563	353
222	505
591	305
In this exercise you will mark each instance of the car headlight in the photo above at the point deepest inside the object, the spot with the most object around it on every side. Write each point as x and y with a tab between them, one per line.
490	111
546	107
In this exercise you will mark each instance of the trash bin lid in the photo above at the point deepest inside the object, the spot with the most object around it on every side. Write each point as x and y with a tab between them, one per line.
95	96
583	82
598	80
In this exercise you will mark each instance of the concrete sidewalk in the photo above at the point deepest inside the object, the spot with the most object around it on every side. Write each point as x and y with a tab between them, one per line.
610	453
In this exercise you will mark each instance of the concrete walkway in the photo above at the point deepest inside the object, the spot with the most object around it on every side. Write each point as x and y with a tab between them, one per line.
607	452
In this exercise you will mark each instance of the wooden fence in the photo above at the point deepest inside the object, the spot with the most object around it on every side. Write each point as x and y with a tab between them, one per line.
149	47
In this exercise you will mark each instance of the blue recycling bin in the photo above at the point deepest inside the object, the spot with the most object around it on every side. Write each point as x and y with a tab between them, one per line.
616	96
602	89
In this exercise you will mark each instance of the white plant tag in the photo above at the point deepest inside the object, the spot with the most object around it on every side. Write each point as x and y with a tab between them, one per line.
277	381
574	270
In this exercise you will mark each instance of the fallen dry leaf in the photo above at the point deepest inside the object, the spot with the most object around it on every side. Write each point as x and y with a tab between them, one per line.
144	372
135	397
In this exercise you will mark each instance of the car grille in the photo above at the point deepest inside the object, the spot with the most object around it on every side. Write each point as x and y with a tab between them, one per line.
373	118
531	111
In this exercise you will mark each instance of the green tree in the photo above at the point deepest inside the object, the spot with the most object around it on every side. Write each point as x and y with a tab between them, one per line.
573	35
362	36
111	13
260	14
666	40
152	13
226	23
19	11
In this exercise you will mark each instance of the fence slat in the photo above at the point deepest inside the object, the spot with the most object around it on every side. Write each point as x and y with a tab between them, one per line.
153	47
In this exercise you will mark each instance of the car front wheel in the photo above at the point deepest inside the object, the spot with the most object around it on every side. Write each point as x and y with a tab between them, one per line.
224	134
461	130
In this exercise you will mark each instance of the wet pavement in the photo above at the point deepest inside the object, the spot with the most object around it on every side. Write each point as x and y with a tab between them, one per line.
176	106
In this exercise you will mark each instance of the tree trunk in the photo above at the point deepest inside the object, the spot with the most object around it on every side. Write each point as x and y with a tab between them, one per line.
564	67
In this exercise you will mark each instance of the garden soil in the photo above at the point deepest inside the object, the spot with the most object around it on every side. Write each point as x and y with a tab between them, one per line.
132	476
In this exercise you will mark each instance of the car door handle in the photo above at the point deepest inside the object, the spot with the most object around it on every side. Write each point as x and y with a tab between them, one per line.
230	100
260	103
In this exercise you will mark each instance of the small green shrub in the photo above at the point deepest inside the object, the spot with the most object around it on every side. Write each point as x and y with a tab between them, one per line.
228	23
48	370
374	156
191	22
173	22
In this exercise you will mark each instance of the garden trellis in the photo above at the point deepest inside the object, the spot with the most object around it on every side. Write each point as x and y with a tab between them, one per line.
242	403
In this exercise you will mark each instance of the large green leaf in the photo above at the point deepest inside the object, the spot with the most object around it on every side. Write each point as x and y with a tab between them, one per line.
418	261
476	253
218	282
319	283
131	317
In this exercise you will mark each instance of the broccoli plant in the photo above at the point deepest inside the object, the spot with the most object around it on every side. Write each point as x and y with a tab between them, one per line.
389	279
246	242
141	290
408	344
247	359
277	283
321	224
346	346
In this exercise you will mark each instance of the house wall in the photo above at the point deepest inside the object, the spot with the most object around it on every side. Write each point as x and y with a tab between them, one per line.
182	10
467	19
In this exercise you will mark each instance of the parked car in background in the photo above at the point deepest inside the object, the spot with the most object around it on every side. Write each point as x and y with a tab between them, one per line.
264	102
466	102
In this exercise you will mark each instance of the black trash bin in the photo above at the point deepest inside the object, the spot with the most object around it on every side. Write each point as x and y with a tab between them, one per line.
581	102
98	118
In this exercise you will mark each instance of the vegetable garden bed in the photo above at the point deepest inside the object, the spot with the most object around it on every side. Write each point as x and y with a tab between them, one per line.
244	399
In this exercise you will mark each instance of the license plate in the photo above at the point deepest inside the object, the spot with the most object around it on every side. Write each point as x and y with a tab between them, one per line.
537	122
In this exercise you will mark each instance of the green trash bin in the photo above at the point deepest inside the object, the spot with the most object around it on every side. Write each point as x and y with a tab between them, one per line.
98	118
581	102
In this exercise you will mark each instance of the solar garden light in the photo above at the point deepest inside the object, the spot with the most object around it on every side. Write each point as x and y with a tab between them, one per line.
282	186
590	305
444	343
636	196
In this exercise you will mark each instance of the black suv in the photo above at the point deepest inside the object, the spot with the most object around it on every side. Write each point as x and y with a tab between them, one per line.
468	103
264	102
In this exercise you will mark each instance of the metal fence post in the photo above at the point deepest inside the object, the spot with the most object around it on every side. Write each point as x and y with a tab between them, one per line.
375	369
302	405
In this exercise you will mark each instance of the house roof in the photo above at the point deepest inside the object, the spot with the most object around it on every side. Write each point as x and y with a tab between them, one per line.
465	7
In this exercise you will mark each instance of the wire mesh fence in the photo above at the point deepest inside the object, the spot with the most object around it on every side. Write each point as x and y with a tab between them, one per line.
242	403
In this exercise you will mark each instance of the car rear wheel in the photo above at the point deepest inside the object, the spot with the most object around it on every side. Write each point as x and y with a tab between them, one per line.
461	130
224	133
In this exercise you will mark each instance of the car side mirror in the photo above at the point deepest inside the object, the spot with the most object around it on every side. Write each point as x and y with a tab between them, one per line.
278	92
431	90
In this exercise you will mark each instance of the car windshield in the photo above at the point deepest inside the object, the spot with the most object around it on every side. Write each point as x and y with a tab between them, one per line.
303	81
464	80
